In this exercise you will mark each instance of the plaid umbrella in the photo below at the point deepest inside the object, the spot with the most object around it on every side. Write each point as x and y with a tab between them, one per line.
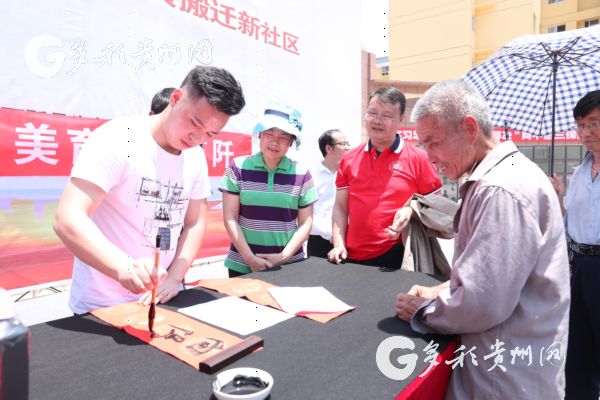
532	83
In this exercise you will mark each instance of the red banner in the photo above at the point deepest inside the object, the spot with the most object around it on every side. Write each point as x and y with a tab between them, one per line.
40	144
570	137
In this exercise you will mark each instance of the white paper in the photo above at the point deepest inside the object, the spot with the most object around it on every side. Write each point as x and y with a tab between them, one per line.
301	300
236	315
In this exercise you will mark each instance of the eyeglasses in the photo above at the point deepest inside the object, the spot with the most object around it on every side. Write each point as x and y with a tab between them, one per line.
371	116
592	126
282	138
345	145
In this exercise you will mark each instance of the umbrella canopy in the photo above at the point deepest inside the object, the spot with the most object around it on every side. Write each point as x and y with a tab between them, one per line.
532	83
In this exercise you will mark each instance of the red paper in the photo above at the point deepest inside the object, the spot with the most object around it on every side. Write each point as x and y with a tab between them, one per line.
182	337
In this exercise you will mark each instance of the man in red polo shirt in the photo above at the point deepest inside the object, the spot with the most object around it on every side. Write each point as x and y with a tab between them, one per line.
373	182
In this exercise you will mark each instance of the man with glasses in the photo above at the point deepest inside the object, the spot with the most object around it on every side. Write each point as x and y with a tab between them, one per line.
581	207
267	198
333	144
374	182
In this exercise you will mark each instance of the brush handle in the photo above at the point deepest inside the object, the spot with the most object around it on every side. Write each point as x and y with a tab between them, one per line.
154	273
152	310
153	301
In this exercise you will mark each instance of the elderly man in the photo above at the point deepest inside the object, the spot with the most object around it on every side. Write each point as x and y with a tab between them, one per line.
333	144
374	181
508	295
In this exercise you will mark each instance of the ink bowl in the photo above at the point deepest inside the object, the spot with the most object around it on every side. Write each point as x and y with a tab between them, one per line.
242	384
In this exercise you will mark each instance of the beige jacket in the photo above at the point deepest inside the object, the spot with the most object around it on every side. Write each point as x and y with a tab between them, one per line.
433	216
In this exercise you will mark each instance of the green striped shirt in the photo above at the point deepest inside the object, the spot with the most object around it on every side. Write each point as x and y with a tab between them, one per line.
269	203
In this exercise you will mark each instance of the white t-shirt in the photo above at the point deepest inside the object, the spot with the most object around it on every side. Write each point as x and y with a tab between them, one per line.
323	208
147	189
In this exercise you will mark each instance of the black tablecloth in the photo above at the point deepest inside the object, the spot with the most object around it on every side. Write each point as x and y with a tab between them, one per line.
82	358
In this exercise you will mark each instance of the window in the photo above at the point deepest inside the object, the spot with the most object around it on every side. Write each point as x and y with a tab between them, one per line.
556	28
590	22
555	1
385	70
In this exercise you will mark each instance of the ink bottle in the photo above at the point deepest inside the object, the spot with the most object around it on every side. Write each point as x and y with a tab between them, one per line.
14	352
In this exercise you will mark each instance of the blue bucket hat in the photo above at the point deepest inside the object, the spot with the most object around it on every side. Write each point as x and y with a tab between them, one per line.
283	117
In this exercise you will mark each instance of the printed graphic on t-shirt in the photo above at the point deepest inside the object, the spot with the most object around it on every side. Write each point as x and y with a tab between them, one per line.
395	166
168	209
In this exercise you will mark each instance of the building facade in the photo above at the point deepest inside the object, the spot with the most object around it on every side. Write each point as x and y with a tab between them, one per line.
436	40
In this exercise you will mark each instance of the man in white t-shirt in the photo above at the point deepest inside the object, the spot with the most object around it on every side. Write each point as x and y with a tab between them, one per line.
333	143
132	182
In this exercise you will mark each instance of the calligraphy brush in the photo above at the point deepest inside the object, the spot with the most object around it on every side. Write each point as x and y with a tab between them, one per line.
152	310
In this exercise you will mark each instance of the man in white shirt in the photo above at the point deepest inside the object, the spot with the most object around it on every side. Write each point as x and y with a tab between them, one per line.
333	143
137	178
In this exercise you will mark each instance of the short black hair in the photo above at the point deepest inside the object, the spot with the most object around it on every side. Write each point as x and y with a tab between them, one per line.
587	104
390	95
161	99
325	139
218	86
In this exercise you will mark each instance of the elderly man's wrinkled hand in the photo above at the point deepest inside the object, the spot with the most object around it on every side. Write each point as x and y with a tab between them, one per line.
426	292
407	305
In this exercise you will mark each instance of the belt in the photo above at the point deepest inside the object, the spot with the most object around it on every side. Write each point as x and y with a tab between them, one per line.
585	249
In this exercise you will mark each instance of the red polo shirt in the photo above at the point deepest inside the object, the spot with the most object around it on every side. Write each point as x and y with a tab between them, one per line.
378	185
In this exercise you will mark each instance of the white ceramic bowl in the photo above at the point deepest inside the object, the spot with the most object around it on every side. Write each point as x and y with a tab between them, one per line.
228	375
